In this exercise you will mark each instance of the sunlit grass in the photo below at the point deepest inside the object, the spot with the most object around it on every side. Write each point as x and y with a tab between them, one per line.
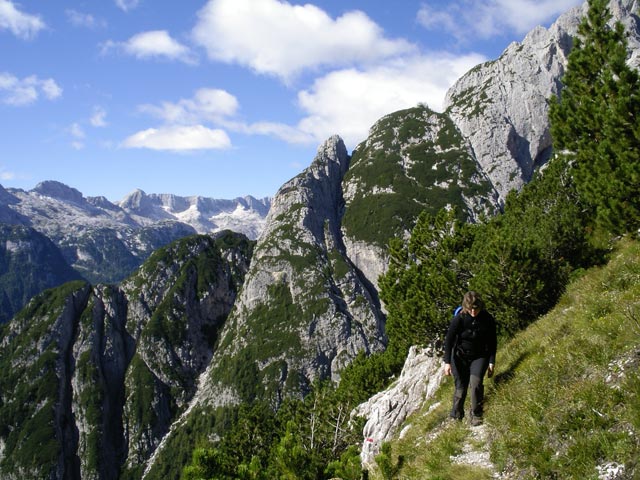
566	395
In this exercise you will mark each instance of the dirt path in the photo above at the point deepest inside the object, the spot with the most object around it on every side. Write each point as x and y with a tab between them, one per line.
475	451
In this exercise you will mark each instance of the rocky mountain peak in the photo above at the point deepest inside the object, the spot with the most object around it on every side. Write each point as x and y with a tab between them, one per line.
501	107
60	191
318	189
136	200
332	156
303	301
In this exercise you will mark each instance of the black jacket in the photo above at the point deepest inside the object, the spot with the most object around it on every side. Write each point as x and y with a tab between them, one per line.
471	337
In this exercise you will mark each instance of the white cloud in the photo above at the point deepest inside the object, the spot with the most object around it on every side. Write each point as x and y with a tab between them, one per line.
98	117
491	18
17	92
183	129
86	20
276	38
6	175
49	87
432	18
179	138
348	102
77	134
153	44
76	131
127	5
288	133
207	104
22	25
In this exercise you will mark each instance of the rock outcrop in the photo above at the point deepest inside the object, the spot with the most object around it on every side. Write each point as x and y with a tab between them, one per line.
501	107
386	411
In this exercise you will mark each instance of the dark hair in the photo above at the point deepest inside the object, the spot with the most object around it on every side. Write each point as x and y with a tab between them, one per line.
472	300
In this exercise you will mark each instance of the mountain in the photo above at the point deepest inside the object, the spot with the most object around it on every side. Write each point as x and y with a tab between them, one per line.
322	230
414	160
105	241
94	375
243	215
501	107
490	139
127	379
29	264
304	311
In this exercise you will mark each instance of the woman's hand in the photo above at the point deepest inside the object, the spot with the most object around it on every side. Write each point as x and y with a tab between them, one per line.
447	369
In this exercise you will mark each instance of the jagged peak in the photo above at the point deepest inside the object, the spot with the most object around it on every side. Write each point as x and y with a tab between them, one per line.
319	181
332	150
133	199
5	196
103	202
58	190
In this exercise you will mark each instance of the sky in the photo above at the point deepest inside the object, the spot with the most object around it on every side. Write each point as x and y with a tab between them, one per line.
224	98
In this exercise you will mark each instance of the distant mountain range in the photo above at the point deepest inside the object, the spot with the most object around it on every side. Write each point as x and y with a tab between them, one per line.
101	241
58	210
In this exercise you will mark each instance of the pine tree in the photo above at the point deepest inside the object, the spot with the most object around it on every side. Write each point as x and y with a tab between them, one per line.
521	260
424	281
597	121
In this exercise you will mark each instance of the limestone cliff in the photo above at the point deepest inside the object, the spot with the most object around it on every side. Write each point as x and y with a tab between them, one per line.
501	107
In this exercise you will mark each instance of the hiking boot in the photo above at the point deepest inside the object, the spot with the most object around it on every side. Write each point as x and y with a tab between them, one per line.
476	421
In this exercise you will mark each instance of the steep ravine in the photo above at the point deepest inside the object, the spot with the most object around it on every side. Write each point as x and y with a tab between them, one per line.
95	374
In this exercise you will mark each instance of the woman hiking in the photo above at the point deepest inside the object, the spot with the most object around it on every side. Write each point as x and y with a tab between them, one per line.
469	353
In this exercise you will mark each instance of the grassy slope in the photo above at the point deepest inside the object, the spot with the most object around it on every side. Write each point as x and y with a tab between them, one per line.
565	399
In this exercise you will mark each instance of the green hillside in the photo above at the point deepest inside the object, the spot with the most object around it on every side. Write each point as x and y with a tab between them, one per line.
413	160
565	400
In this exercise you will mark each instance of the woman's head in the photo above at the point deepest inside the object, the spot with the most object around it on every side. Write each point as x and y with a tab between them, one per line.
472	303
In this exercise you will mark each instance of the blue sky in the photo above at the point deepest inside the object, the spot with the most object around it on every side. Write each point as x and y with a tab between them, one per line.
224	98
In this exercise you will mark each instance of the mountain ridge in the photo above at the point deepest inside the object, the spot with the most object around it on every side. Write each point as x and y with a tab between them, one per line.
307	303
102	370
105	241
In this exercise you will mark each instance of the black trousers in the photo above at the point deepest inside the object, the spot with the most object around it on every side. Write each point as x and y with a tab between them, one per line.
468	374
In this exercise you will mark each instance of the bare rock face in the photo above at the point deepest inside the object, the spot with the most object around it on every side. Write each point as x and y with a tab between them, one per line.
303	302
386	411
501	107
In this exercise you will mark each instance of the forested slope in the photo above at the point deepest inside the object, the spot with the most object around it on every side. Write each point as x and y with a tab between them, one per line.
565	400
